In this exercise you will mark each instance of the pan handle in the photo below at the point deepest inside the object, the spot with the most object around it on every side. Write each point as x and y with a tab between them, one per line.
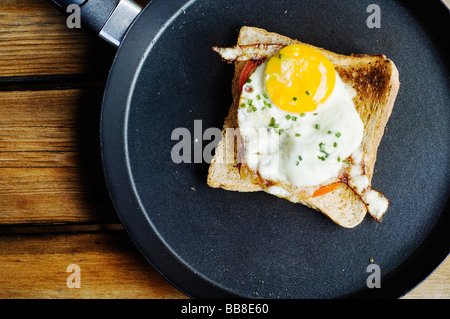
110	19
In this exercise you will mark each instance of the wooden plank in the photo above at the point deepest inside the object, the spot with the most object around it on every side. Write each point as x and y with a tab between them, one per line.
36	41
36	159
53	195
50	170
34	266
52	120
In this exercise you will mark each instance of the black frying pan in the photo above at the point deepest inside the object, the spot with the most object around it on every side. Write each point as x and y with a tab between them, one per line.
214	243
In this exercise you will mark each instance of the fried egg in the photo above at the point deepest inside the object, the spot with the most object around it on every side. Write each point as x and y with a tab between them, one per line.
297	118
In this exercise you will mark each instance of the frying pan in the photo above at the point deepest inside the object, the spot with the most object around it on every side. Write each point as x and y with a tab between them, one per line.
212	243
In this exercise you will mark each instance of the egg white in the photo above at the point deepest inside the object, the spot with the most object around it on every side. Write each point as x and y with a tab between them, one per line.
300	149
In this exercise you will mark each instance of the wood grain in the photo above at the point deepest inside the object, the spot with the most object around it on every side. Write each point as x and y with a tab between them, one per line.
36	41
53	120
34	266
50	169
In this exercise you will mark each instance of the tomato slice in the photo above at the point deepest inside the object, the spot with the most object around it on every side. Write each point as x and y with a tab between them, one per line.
246	72
325	189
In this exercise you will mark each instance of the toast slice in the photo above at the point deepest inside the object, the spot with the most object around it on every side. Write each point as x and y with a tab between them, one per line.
376	81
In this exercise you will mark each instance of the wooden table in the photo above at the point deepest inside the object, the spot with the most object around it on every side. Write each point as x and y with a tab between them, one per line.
55	210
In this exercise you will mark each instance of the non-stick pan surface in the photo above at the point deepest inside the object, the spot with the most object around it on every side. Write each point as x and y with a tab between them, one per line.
215	243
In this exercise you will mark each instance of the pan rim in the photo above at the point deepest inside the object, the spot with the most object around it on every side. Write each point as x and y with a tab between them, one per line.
146	231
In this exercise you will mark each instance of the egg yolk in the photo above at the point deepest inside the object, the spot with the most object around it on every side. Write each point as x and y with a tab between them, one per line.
298	78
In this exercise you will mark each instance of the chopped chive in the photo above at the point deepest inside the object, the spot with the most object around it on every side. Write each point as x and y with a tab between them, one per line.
265	95
297	163
269	105
326	154
294	118
251	108
249	80
288	117
243	105
322	150
307	93
317	126
329	132
294	98
302	114
322	158
280	131
338	134
335	144
315	114
298	134
258	97
338	159
249	102
272	122
280	56
300	158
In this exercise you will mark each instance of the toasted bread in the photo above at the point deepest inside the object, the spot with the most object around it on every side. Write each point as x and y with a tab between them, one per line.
376	81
